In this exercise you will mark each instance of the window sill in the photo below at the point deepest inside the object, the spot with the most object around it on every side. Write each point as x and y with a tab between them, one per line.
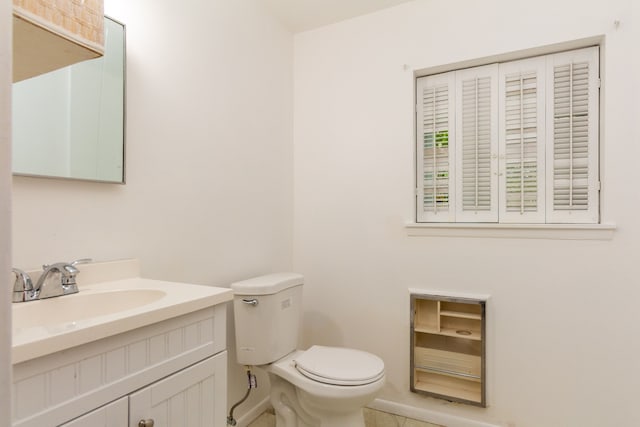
513	231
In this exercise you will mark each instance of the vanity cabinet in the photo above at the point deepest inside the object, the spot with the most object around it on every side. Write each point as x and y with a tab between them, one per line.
115	414
174	372
49	34
194	397
448	347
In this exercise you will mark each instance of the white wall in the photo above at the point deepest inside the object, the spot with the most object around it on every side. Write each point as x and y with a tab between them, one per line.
563	318
6	32
208	197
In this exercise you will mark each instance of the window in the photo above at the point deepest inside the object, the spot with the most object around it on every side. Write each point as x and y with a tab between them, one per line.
514	142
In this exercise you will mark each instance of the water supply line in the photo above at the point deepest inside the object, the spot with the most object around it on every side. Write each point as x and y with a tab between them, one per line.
251	384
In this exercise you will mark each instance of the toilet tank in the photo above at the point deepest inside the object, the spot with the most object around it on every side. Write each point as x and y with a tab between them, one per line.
268	313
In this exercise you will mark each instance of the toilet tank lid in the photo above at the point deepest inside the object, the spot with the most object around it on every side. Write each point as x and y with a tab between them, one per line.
268	284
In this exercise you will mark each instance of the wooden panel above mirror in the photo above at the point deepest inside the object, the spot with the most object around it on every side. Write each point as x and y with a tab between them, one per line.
49	34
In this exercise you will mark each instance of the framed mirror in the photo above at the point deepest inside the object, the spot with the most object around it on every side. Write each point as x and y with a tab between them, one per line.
70	123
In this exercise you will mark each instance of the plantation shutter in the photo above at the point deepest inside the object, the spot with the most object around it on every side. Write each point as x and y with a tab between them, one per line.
477	144
435	147
572	120
522	141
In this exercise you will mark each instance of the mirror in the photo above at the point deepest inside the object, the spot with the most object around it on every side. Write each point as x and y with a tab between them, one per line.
69	123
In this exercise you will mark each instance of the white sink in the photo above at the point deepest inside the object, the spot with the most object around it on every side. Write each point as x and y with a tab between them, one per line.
55	312
101	310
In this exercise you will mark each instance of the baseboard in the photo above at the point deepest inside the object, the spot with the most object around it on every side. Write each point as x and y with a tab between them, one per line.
254	413
427	415
420	414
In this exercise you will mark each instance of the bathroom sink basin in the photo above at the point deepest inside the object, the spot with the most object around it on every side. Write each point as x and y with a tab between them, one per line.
66	311
103	309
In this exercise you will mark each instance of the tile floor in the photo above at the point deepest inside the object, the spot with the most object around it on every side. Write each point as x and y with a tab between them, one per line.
267	419
372	418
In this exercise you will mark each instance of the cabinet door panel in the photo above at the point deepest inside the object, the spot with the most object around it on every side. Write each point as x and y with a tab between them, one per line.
114	414
193	397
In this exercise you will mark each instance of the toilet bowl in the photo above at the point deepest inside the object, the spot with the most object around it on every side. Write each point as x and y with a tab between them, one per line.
325	386
319	387
332	384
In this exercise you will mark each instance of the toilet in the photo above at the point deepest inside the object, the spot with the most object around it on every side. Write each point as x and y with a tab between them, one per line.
318	387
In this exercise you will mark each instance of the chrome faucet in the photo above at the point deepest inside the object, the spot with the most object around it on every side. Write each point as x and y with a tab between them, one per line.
56	280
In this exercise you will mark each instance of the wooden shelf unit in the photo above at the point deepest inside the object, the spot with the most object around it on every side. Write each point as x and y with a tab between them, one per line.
448	347
48	34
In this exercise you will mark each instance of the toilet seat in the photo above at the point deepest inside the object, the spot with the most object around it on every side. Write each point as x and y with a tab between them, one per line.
339	366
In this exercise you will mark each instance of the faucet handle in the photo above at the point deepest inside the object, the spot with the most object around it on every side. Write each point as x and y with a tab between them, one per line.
71	270
23	281
22	287
81	261
69	275
68	267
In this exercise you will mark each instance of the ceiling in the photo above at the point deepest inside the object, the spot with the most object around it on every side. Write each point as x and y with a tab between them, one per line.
303	15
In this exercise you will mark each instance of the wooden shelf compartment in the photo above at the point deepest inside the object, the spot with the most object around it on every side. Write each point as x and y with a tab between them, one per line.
463	333
462	310
447	386
448	318
452	343
426	329
426	318
461	327
449	363
448	313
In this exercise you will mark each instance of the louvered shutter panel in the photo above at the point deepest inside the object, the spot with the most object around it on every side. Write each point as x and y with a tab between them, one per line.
435	148
572	121
477	144
522	141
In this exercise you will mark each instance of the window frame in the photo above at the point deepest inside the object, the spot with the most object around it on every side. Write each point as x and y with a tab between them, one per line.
502	221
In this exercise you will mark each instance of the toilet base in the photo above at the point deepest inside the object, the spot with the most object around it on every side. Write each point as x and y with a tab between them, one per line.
288	411
291	411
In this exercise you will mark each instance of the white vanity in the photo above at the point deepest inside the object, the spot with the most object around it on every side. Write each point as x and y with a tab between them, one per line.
121	352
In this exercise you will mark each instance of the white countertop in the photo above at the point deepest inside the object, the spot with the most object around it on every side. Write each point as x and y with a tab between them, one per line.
102	309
